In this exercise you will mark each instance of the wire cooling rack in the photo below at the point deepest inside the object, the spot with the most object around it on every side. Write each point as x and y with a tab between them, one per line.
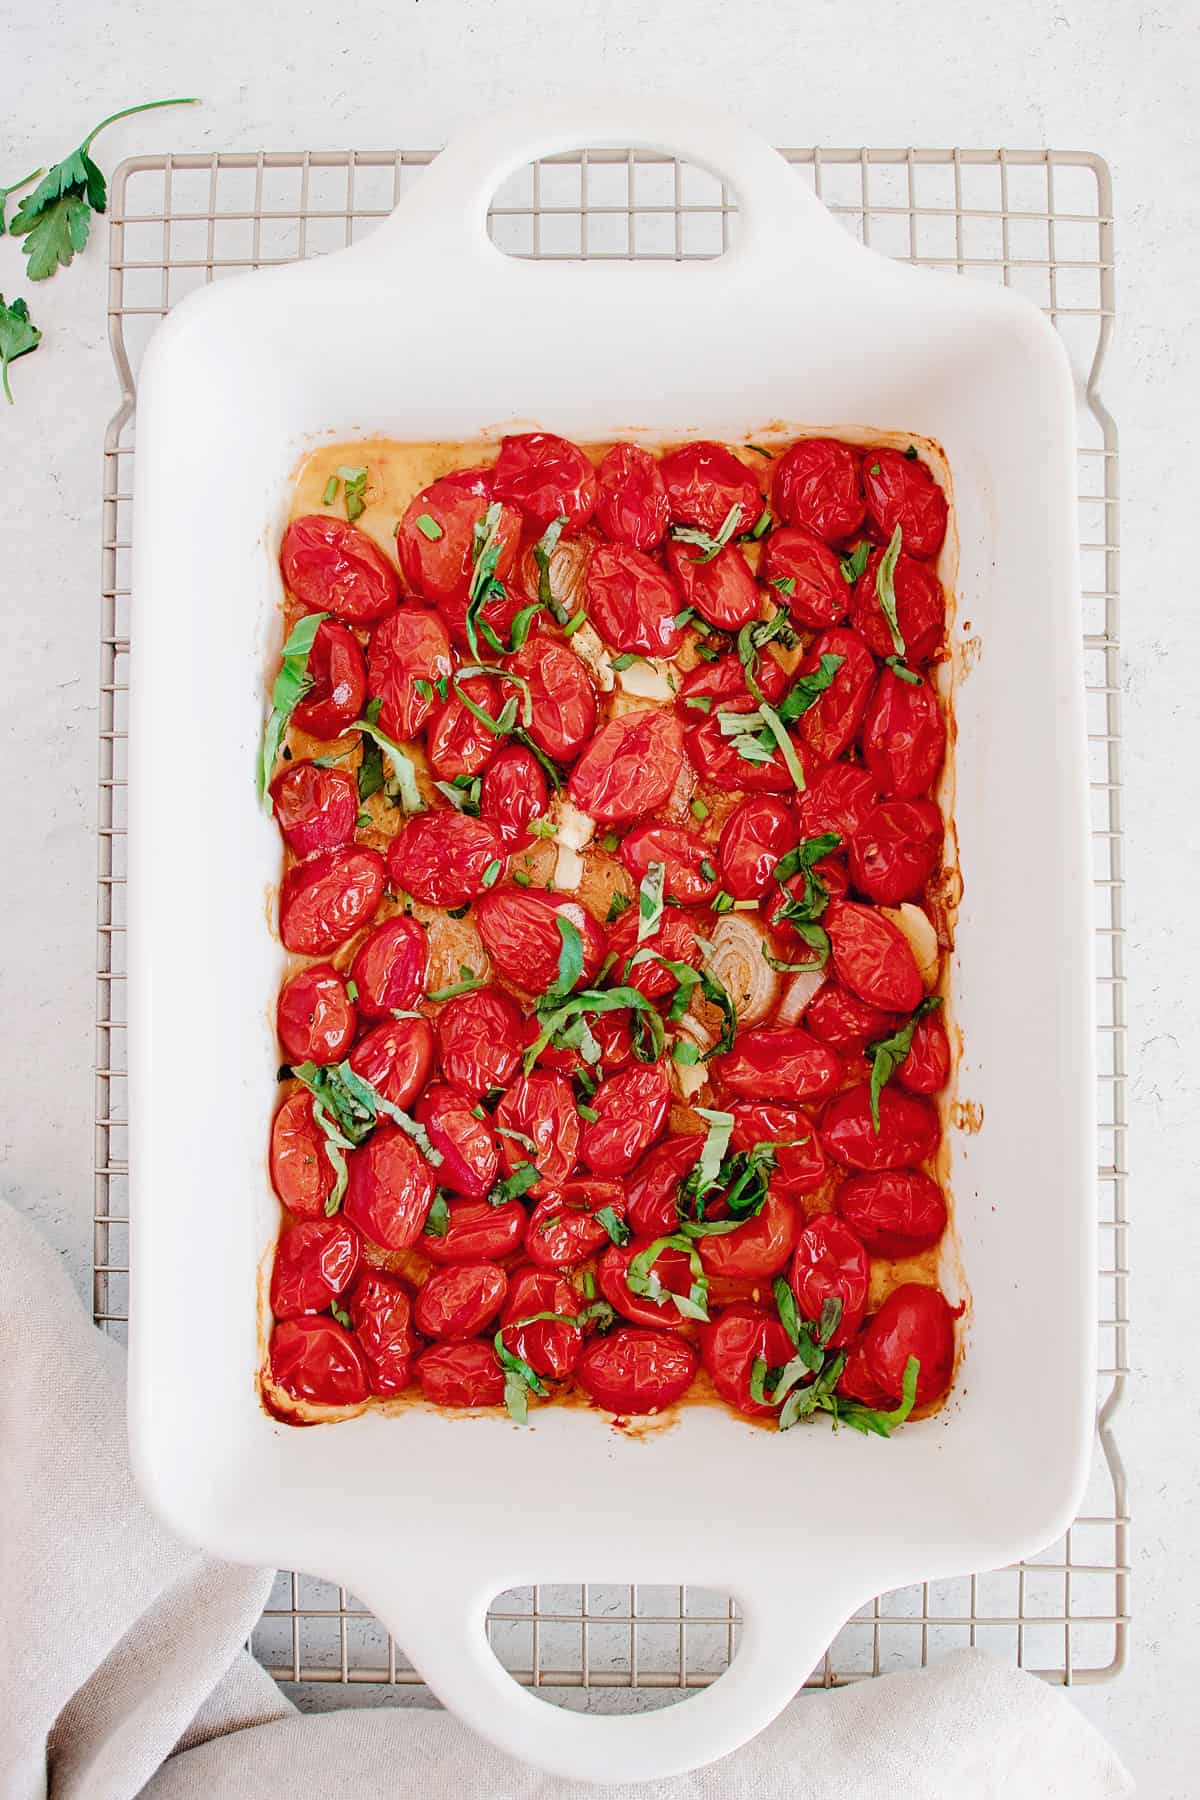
1038	221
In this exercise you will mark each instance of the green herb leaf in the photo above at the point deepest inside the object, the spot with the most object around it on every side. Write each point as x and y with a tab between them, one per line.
291	684
901	670
616	1227
523	1177
331	491
762	524
586	1112
618	904
437	1219
470	981
625	661
487	546
785	583
342	1317
521	877
650	900
709	545
570	964
548	768
610	842
574	622
885	591
887	1054
853	565
355	1106
716	1143
18	336
787	749
428	526
698	808
354	482
806	690
868	1419
543	550
685	1052
15	188
403	767
597	1000
492	873
465	799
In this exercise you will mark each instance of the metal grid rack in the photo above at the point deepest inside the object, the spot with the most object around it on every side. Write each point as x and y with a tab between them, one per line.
1039	221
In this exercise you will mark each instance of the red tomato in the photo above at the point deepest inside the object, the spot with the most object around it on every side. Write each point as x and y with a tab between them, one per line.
442	857
722	590
904	736
316	809
550	1346
838	799
856	1381
461	1374
612	1033
331	566
673	1269
339	683
632	602
631	505
391	1189
314	1359
301	1172
547	477
389	968
630	766
561	697
380	1310
564	1229
514	791
920	608
478	1231
725	679
675	940
799	1159
818	594
315	1261
634	1370
830	871
411	645
713	755
872	957
326	900
840	1018
896	1212
773	1063
395	1056
458	743
519	928
438	567
315	1015
633	1110
470	1160
908	1129
758	831
652	1189
830	1263
459	1301
539	1107
830	725
703	481
479	1041
901	491
896	850
926	1068
731	1345
817	485
914	1320
758	1248
684	856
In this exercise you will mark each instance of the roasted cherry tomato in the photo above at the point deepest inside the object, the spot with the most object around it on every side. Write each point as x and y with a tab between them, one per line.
807	576
872	957
437	557
461	1374
539	1111
831	723
301	1172
561	697
479	1041
315	1015
389	968
612	1034
470	1160
896	1212
410	646
634	1370
841	1018
314	1359
652	1189
477	1231
391	1188
904	736
799	1159
674	941
547	477
830	871
715	757
725	679
730	1346
817	485
758	831
722	589
758	1248
550	1346
671	1267
895	851
565	1229
926	1068
457	1302
514	791
633	1110
395	1056
684	856
631	504
458	743
901	491
914	1320
630	766
779	1063
830	1263
920	608
908	1129
443	857
381	1312
339	683
315	809
703	481
332	566
326	900
838	799
856	1381
315	1261
632	602
519	928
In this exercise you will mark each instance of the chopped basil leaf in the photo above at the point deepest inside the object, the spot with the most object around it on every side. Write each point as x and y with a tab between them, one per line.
542	828
901	670
331	491
518	1137
586	1112
759	451
610	842
716	1143
356	1105
355	486
596	1000
618	904
867	1419
874	469
642	1277
707	870
574	622
437	1219
340	1314
423	687
539	756
650	901
853	565
462	794
492	873
543	550
806	690
523	1177
521	877
616	1228
886	1054
785	583
684	1051
291	684
709	545
885	591
428	526
787	749
762	524
486	549
626	660
352	988
467	985
403	768
570	964
699	809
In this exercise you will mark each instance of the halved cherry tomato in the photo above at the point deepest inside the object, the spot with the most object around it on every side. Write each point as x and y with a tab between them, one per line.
313	1358
908	1129
547	477
409	646
456	1303
331	566
326	900
631	504
758	831
926	1068
779	1063
914	1320
758	1248
315	1261
561	697
395	1056
799	1159
391	1188
830	1263
652	1189
564	1228
896	850
632	602
477	1231
437	563
539	1108
684	856
461	1374
315	808
315	1015
301	1172
732	1344
841	1018
896	1212
470	1159
514	791
920	608
703	481
633	1110
519	928
675	941
389	968
715	757
339	683
612	1033
673	1270
550	1346
630	766
479	1041
817	485
837	799
900	490
634	1370
722	589
856	1381
381	1312
830	725
442	857
813	589
872	957
904	736
458	743
725	679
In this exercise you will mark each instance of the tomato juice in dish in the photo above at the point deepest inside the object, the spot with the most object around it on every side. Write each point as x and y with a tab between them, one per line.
616	886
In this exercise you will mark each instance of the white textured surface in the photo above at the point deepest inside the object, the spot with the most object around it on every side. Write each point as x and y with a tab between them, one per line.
1102	76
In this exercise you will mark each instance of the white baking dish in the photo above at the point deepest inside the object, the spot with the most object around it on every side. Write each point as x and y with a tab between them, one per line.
427	332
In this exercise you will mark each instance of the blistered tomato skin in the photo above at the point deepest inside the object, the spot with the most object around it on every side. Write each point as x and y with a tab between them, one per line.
758	1248
458	1302
800	1166
830	871
315	1016
470	1160
872	957
409	646
920	608
831	1264
614	1038
477	1232
779	1063
315	809
519	928
895	1212
479	1041
731	1345
380	1309
331	566
831	724
926	1068
908	1129
461	1374
315	1261
389	968
633	1111
547	477
901	491
652	1189
562	698
856	1381
903	737
917	1321
442	857
725	679
339	683
838	799
314	1359
395	1056
817	485
703	481
564	1229
684	856
551	1347
630	766
722	590
673	1269
631	503
815	591
842	1019
540	1107
635	1371
632	603
674	941
715	758
896	850
326	900
458	743
513	792
438	568
391	1188
758	831
301	1172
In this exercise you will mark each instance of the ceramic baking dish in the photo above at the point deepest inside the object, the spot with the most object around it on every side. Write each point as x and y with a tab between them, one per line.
426	332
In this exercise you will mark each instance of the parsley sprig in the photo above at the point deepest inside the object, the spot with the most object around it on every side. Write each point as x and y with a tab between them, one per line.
18	335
